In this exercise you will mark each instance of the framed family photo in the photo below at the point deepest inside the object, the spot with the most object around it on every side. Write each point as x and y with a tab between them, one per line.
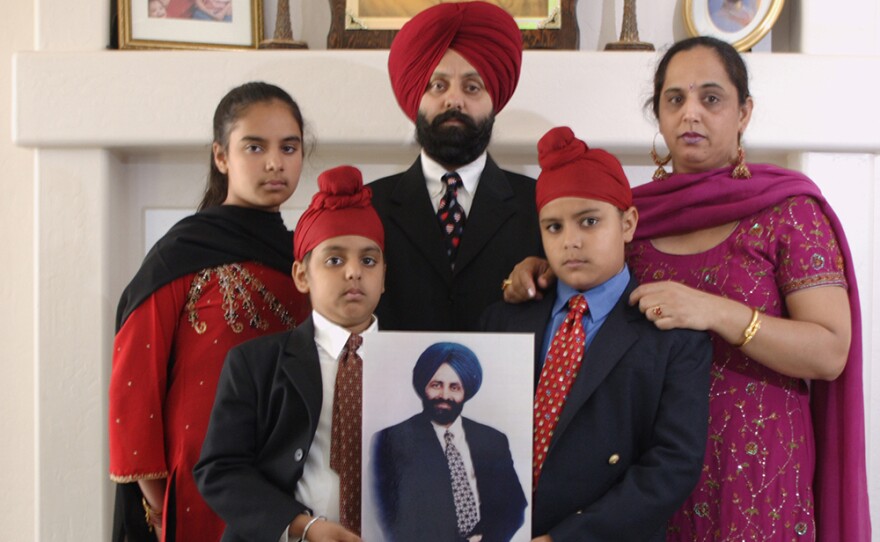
190	24
742	23
372	24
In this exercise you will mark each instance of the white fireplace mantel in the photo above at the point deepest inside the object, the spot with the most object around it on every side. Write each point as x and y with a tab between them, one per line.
153	99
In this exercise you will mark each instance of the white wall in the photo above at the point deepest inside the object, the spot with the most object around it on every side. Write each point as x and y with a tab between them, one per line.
67	204
17	294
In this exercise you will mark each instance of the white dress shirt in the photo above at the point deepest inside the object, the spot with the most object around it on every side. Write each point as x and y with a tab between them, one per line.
319	486
470	178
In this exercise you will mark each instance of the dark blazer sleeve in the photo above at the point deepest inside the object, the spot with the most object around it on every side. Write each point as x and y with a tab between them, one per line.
654	486
229	473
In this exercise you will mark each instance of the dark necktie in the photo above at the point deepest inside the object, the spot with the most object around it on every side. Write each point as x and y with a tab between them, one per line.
560	369
462	495
451	215
345	434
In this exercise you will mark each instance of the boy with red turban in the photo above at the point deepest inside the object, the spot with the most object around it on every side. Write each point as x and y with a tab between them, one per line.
282	454
620	406
455	223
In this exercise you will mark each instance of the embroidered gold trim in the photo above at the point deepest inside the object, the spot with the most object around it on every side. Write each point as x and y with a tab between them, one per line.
237	286
135	477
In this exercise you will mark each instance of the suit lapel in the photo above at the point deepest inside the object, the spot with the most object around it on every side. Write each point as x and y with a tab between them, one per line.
493	205
413	213
533	317
613	340
301	364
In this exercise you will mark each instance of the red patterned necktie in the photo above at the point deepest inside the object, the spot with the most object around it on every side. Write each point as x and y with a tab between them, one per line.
345	434
560	369
451	215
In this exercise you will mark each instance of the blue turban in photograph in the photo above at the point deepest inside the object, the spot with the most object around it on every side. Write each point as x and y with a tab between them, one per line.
462	360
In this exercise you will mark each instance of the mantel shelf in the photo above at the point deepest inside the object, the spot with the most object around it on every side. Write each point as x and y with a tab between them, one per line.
161	99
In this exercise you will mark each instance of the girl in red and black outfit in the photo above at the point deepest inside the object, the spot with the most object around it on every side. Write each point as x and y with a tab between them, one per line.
216	279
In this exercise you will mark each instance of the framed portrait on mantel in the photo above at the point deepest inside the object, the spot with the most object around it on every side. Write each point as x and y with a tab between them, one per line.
372	24
190	24
742	23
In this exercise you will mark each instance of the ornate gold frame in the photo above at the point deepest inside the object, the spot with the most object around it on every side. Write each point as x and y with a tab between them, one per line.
194	34
698	23
559	30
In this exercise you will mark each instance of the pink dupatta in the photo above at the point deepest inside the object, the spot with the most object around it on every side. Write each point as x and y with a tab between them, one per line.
688	202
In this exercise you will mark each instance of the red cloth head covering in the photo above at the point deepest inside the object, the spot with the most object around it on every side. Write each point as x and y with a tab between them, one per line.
341	207
484	34
569	168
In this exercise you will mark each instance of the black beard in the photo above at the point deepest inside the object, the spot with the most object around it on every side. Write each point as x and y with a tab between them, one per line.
454	146
440	415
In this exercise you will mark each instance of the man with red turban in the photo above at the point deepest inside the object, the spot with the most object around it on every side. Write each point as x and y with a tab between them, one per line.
621	412
455	223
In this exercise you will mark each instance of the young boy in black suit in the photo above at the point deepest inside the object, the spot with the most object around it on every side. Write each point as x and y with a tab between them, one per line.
620	407
282	454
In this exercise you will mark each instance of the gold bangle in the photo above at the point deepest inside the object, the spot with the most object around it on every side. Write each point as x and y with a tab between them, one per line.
505	283
151	516
752	329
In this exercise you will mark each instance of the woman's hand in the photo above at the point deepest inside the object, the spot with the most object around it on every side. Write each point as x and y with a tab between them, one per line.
812	342
672	305
525	276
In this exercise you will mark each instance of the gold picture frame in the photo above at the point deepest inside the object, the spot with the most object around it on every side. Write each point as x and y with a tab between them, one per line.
372	24
742	23
190	24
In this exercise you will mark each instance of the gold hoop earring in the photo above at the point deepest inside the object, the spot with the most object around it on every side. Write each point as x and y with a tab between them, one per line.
660	173
741	170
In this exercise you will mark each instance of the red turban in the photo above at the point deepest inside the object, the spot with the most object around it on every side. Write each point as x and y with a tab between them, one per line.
341	207
484	34
569	168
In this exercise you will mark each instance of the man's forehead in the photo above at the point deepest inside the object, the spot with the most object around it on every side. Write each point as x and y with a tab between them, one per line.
452	63
446	372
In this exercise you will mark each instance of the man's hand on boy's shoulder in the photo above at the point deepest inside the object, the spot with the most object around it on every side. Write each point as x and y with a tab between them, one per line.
528	280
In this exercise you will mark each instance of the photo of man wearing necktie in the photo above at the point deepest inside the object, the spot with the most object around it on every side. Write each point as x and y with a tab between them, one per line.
440	476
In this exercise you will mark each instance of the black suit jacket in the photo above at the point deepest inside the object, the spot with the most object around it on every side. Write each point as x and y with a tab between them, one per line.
262	425
422	292
629	445
413	490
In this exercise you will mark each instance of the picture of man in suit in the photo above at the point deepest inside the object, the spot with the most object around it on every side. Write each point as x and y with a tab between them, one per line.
455	223
440	476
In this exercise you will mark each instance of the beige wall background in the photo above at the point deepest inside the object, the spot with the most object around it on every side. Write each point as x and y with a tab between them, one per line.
17	294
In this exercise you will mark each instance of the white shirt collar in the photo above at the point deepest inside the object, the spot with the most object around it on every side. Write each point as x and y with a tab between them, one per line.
469	173
333	337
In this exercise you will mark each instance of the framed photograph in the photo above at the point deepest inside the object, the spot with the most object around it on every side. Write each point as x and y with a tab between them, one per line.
477	386
742	23
190	24
372	24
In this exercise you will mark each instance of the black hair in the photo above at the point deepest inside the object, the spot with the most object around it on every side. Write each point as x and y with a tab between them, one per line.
228	111
730	59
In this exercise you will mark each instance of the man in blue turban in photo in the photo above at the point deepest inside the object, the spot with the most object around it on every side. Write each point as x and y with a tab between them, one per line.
438	475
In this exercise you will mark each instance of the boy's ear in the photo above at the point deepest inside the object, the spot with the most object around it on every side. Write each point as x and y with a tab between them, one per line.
629	220
220	158
300	277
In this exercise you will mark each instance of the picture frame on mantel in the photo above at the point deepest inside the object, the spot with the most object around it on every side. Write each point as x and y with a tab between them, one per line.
741	23
190	24
372	24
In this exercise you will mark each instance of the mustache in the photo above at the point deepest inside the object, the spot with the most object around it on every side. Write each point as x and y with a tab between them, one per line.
454	114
